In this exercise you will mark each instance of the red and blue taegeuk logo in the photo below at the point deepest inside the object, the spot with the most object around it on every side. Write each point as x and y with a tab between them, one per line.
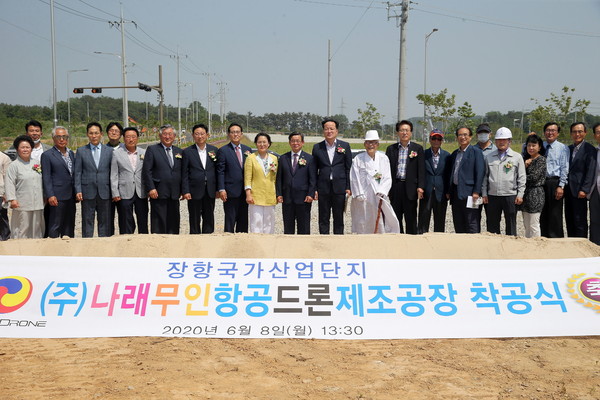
14	293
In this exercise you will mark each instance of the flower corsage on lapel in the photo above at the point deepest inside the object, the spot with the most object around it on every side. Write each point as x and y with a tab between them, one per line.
302	162
247	153
141	157
178	156
212	156
412	154
273	166
507	167
37	168
340	149
378	177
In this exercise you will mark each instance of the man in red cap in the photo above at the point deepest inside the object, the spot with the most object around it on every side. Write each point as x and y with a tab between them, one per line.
434	198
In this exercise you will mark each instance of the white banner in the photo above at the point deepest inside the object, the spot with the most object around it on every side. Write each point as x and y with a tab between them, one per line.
62	297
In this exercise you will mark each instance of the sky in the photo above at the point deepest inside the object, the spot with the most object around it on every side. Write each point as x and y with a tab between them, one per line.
271	55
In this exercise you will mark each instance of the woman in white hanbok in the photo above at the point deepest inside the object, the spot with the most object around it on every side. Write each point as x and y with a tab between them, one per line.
24	192
370	182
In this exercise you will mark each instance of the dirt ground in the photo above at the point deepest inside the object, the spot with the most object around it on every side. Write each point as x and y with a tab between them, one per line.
176	368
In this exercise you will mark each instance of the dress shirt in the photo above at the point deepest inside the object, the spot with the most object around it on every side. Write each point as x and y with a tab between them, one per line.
36	152
488	149
96	154
202	154
132	158
557	161
66	159
402	158
435	157
576	149
169	151
457	161
331	154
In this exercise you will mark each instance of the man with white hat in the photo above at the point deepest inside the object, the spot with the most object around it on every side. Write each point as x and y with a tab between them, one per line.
370	182
504	184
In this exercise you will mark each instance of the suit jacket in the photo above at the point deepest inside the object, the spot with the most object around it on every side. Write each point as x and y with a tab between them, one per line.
434	177
582	169
230	175
197	179
415	168
338	171
89	180
295	186
470	174
158	174
263	186
124	180
57	179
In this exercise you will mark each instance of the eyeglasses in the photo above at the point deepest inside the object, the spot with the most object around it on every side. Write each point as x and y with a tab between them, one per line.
435	139
61	137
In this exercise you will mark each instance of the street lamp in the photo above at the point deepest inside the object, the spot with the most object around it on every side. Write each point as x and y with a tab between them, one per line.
124	83
69	93
425	86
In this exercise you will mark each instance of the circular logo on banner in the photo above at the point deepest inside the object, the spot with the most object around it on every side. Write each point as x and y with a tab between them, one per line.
588	293
14	293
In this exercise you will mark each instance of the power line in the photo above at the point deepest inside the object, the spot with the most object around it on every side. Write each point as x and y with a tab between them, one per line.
97	9
353	28
73	11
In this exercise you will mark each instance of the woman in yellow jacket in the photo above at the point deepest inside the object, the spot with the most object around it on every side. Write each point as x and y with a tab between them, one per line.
260	170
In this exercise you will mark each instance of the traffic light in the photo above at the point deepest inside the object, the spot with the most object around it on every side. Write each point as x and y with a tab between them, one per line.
78	90
145	87
96	90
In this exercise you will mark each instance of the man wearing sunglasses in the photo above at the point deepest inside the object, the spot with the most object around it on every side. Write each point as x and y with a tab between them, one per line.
434	198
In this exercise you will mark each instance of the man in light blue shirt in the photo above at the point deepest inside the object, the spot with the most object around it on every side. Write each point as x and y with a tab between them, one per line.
557	162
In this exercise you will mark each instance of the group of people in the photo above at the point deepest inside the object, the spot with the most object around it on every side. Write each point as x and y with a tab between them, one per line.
393	192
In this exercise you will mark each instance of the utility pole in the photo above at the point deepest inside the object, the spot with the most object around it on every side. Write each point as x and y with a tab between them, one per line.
121	24
343	107
177	58
329	90
222	97
401	22
209	101
54	100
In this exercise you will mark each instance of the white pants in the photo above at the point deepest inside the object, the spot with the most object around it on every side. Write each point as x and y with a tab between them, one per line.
532	224
27	224
261	219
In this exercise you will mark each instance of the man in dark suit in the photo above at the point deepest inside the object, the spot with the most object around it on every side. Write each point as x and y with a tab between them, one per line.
126	184
92	182
333	158
295	186
464	178
199	181
230	180
595	194
59	186
161	176
582	167
434	196
407	165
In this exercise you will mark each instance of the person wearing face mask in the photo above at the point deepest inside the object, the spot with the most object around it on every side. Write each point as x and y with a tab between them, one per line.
483	139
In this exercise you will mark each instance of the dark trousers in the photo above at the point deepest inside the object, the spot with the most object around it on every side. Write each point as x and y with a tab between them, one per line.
331	204
60	220
466	220
575	215
595	216
164	216
296	214
113	207
236	214
551	220
95	207
403	207
430	204
125	208
495	207
202	210
4	225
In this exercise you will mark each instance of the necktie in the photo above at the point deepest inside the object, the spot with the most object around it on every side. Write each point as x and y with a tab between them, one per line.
169	156
295	162
96	155
238	152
